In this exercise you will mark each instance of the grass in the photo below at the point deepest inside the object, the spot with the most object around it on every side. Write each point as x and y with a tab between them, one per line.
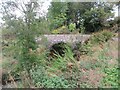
106	57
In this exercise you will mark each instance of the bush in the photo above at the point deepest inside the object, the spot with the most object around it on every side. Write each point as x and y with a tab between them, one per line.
111	78
72	26
37	74
41	79
55	82
82	48
101	37
58	20
61	30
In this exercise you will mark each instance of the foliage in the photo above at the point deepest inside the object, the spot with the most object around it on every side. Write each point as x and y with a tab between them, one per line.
111	78
41	79
61	71
56	82
59	20
94	14
42	26
56	31
76	10
51	76
61	61
114	24
58	49
37	74
69	53
101	37
118	20
82	48
56	9
95	19
109	69
82	28
56	14
61	30
72	27
26	29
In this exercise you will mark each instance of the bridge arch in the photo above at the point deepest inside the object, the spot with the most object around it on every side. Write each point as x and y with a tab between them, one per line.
59	48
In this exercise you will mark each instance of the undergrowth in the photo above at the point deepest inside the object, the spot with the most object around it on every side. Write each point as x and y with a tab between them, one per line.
65	71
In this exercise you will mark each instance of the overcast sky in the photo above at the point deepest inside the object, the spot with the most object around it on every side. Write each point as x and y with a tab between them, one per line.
45	7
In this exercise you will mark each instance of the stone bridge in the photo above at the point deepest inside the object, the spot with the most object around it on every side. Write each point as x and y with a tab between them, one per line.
50	40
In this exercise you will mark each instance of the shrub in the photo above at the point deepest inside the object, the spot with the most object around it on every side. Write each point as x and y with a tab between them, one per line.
41	79
82	48
111	78
72	26
64	30
101	37
61	30
107	35
37	74
55	82
56	31
58	20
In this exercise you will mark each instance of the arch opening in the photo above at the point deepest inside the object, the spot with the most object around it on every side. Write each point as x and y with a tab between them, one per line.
58	49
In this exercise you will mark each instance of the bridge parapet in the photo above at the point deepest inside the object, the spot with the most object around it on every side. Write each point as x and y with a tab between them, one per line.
66	38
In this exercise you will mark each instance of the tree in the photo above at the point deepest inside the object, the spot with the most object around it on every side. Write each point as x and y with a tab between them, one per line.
76	10
57	14
96	18
25	28
90	16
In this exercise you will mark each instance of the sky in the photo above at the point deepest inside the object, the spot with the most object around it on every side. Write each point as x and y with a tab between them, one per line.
116	11
45	7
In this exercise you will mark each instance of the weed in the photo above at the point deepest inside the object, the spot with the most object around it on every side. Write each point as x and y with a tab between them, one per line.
111	78
61	62
41	79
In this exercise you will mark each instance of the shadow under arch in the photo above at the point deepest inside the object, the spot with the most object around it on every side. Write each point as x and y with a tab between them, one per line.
59	48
